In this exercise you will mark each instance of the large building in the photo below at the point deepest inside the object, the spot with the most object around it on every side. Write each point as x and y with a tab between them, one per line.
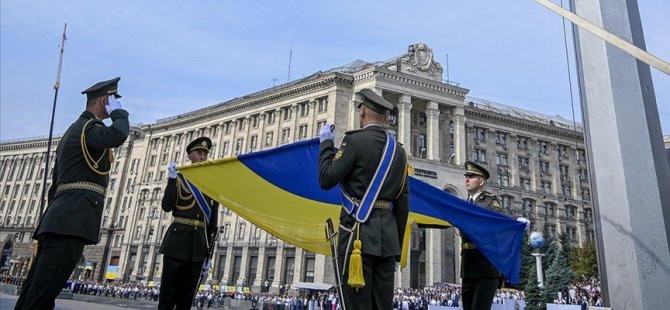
537	164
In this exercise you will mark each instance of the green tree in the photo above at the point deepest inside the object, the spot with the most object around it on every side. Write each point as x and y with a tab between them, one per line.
527	259
559	274
534	296
584	262
549	249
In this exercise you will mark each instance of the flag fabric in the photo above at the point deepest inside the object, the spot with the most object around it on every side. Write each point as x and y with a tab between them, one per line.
278	190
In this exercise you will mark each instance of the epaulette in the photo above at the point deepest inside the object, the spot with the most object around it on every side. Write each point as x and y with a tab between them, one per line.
353	130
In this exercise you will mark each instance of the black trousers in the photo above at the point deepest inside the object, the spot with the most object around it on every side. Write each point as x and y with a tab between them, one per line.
478	293
378	291
178	282
57	255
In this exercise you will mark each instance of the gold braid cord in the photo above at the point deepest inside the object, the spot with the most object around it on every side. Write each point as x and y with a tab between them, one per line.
189	195
93	164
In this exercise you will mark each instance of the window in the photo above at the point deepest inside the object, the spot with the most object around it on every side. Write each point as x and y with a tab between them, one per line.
286	113
302	132
152	160
544	167
322	104
566	190
422	118
524	183
543	147
226	231
268	138
501	159
257	233
564	172
546	187
240	124
138	232
479	155
503	180
226	128
240	230
527	207
583	174
285	134
571	212
480	135
289	268
572	233
506	202
224	149
523	163
254	121
522	143
304	109
310	262
320	124
501	139
563	151
581	156
253	142
238	146
253	267
549	209
271	117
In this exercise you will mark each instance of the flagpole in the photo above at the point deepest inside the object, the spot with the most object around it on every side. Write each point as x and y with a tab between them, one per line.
51	129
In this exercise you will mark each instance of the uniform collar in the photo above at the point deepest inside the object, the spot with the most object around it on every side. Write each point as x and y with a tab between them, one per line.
374	127
89	115
475	196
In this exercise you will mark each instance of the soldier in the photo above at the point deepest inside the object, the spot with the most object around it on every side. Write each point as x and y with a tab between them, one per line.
76	196
378	223
187	242
480	278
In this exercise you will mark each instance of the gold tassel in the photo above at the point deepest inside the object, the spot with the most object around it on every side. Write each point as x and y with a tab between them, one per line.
356	279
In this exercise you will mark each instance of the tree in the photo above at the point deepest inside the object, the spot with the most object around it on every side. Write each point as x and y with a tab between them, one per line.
550	248
527	259
559	275
534	296
584	262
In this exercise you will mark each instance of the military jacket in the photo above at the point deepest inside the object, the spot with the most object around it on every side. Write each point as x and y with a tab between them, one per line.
473	263
78	212
353	166
183	241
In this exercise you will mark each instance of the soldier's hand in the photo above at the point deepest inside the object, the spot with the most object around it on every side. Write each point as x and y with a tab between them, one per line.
326	133
172	170
112	104
525	221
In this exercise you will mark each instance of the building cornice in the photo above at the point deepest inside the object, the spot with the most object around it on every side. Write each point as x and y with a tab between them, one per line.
407	80
253	101
497	118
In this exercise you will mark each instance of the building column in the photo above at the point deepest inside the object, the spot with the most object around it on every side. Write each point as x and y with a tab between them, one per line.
433	131
623	135
260	268
404	122
459	136
279	267
433	256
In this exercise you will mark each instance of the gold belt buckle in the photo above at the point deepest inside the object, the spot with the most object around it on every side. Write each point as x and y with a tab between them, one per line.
196	223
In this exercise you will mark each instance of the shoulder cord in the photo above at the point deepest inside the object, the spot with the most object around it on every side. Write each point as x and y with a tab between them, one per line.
404	176
93	164
180	186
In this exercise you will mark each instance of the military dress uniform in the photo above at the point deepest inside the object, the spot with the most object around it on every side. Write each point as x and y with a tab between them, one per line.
75	200
480	277
353	166
185	245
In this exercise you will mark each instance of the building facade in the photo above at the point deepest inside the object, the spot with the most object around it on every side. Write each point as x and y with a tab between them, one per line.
537	165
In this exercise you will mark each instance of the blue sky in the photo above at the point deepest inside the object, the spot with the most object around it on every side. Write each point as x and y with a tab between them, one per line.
178	56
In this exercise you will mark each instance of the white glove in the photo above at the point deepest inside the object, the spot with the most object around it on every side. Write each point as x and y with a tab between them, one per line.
112	104
524	220
172	170
326	133
396	267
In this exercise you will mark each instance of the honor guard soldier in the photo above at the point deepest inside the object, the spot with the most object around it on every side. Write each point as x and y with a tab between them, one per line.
371	168
480	278
84	157
187	242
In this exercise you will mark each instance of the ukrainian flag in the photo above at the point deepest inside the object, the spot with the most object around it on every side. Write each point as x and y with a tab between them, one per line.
278	190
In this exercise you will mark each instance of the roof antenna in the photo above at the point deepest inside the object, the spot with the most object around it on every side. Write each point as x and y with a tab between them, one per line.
290	57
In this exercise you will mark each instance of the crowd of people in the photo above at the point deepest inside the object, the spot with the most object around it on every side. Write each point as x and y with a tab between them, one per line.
586	292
